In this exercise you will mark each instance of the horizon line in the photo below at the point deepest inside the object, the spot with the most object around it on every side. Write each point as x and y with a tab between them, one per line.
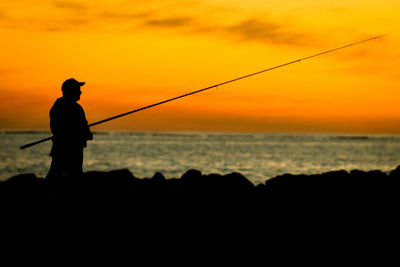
38	131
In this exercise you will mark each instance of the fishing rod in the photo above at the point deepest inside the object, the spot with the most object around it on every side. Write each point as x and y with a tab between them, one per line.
213	86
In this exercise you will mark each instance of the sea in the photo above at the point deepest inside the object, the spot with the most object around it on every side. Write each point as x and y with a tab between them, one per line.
258	156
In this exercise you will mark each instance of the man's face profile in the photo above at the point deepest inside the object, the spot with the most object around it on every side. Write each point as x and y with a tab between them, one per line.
73	93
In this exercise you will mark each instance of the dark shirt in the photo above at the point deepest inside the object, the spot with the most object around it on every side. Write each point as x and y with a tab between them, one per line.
69	127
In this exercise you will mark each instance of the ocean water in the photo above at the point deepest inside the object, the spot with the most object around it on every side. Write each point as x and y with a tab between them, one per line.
258	156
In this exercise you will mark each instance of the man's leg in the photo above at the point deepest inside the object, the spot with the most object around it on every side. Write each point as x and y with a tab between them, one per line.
54	168
75	162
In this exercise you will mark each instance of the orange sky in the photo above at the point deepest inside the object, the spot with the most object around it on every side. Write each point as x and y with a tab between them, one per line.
135	53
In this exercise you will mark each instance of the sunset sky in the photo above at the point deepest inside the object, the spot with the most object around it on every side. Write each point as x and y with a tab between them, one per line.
136	53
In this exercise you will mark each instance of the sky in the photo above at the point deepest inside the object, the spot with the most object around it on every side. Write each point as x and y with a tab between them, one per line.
136	53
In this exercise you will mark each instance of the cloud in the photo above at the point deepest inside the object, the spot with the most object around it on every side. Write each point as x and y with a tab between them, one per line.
185	18
251	29
265	31
63	25
70	5
172	22
32	24
122	16
62	16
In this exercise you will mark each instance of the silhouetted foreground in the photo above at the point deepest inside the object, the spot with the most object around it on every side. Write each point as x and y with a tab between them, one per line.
213	194
327	215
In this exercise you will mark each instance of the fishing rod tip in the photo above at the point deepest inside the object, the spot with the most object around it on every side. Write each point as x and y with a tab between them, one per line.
379	36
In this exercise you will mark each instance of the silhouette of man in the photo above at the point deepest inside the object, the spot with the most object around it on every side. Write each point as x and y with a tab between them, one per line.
70	132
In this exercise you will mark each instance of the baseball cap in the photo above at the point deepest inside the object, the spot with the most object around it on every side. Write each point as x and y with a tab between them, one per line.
71	83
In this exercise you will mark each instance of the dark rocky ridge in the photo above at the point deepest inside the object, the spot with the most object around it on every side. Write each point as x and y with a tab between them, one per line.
327	216
120	188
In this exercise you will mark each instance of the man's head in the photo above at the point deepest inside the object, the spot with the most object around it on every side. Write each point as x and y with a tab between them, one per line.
71	89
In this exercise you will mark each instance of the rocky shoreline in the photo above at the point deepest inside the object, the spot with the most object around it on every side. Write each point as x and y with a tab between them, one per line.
354	208
121	187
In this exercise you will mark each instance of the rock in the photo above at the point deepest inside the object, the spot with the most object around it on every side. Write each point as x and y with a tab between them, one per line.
191	175
237	182
158	177
28	179
212	192
328	207
395	172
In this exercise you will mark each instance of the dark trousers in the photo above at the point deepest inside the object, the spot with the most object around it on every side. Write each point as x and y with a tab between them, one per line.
66	163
